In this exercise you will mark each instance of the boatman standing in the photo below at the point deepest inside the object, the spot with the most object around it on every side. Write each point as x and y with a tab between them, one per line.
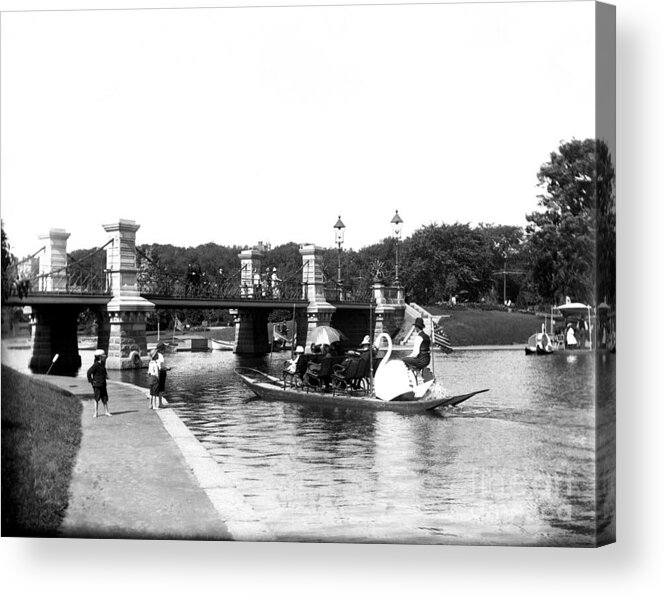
419	357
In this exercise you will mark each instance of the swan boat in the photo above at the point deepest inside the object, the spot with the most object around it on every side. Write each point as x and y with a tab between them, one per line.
395	389
539	344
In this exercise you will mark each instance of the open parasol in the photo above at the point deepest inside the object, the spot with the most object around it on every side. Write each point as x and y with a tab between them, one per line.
324	334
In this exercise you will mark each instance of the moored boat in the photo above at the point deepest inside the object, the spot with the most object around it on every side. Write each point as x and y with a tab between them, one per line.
540	343
221	345
268	387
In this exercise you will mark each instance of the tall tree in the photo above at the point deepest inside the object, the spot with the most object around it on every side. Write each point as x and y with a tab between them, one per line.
443	260
577	204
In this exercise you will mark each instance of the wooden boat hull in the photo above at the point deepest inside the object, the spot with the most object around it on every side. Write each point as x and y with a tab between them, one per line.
538	350
270	388
221	345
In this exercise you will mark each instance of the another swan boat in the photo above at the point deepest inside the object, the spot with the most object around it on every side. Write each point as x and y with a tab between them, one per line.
539	343
268	387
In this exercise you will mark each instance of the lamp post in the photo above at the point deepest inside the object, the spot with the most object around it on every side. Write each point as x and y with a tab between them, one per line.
339	239
397	233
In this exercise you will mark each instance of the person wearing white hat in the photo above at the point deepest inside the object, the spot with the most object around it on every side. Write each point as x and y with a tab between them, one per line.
291	366
97	376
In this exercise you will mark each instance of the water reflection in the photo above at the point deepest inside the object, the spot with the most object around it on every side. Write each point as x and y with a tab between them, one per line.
515	465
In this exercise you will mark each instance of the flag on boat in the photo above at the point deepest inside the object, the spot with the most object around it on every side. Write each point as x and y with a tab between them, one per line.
178	324
441	339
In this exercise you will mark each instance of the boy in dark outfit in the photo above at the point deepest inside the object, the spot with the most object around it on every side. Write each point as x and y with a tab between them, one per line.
97	377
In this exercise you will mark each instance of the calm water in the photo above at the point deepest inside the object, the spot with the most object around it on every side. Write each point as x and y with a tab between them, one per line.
512	466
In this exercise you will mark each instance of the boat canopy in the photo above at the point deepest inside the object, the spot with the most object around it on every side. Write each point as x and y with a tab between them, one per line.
575	310
578	311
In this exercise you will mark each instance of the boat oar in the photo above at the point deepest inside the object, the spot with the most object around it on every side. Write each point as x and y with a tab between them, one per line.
55	358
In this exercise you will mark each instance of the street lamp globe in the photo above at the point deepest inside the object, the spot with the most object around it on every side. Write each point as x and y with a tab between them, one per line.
339	239
339	231
397	225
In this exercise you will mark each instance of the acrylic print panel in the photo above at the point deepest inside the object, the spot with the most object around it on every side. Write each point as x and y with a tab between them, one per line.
234	182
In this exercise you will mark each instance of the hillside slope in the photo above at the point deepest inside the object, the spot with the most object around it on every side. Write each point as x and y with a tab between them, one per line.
473	327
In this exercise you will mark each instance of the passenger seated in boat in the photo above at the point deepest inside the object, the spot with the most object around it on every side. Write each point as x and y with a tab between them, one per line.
419	357
319	375
317	353
291	367
368	353
347	374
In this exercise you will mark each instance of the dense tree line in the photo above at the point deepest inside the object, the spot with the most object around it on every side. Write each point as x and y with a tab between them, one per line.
571	241
566	249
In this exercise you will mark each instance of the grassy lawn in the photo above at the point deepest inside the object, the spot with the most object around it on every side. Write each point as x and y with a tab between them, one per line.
41	434
469	327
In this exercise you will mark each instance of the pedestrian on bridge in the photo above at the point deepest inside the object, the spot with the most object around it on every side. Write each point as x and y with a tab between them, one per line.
275	281
97	376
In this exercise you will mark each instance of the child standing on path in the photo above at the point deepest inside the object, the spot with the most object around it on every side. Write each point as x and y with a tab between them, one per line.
161	348
97	377
153	372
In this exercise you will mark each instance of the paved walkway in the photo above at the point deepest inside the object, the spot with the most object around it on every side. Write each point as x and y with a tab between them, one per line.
141	474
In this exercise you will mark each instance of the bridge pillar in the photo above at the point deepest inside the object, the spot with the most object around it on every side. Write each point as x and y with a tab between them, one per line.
319	310
250	262
388	313
301	328
52	264
125	326
251	331
54	332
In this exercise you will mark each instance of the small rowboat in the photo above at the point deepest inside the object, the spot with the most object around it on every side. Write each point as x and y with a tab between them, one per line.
268	387
221	345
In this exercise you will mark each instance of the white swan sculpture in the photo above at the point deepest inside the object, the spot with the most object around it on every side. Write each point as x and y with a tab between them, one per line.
393	378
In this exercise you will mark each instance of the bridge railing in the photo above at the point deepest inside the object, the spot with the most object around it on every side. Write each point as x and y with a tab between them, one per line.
79	276
393	295
360	292
20	275
154	280
347	294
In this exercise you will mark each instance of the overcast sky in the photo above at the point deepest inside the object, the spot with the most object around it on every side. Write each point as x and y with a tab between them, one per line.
238	125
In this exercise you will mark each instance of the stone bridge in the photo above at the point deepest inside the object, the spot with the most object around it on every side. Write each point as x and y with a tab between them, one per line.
57	294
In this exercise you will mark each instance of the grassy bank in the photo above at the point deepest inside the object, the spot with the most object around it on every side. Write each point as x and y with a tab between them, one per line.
473	327
41	434
465	327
